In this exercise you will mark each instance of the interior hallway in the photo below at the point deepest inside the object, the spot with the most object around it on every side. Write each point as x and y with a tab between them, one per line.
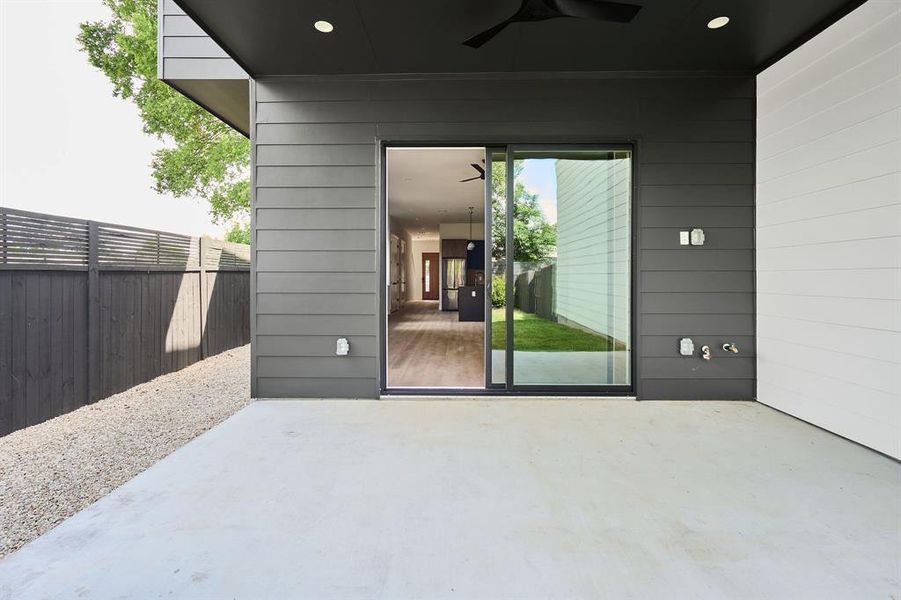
432	348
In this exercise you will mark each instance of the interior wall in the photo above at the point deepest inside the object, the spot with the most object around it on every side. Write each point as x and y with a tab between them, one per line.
460	231
829	229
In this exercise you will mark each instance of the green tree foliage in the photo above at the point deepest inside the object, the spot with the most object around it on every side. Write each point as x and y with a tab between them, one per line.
203	156
498	291
535	238
239	233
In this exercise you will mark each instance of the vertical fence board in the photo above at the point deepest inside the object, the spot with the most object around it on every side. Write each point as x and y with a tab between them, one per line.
19	363
7	422
32	347
56	343
81	350
107	341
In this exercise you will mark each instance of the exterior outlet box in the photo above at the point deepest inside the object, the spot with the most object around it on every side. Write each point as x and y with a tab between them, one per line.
686	347
697	237
343	347
684	239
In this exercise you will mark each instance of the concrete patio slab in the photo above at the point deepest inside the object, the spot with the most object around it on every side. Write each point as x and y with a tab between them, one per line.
482	499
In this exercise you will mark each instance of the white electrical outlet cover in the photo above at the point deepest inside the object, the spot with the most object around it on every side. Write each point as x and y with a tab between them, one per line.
686	347
697	237
683	238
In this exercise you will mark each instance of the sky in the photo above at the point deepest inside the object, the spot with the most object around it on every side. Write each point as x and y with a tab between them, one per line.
540	177
67	146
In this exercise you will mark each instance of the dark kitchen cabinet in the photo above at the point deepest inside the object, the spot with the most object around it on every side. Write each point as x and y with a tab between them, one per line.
453	248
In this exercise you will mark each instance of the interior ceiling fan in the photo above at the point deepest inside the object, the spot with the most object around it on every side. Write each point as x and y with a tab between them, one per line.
541	10
478	168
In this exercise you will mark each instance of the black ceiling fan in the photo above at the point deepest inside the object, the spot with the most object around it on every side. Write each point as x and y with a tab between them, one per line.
478	168
541	10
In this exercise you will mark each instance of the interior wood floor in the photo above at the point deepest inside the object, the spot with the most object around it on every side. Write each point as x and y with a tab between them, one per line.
432	348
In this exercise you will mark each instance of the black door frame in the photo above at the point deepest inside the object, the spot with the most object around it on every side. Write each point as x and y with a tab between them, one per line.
509	388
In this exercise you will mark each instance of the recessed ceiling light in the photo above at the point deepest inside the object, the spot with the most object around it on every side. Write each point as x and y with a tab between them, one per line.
325	26
717	22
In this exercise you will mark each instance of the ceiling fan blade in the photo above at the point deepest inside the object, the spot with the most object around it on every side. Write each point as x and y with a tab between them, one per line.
471	178
479	39
618	12
478	168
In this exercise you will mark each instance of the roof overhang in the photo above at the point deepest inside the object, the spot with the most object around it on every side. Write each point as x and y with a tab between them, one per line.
424	36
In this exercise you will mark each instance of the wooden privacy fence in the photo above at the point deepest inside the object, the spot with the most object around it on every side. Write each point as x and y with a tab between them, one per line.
89	309
533	289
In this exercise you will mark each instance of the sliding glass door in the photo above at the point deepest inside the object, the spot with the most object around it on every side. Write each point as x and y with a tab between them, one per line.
561	285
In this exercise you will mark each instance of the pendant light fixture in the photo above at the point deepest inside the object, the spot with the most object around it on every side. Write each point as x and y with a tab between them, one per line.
471	245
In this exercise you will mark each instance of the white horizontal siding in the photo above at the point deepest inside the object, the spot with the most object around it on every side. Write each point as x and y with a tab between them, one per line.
592	279
829	229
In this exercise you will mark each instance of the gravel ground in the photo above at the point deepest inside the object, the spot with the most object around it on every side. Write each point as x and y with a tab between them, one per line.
50	471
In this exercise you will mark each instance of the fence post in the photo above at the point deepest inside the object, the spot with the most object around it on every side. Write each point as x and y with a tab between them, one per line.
94	357
204	300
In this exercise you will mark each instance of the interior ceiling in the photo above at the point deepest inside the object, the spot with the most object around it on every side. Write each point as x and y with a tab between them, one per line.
424	189
425	36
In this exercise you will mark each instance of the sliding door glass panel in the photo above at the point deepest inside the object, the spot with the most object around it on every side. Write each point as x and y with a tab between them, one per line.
571	267
497	232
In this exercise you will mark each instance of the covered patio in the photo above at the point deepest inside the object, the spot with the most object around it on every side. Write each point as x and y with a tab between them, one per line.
487	499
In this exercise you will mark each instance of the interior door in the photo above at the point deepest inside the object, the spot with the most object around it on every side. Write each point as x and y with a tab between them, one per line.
429	275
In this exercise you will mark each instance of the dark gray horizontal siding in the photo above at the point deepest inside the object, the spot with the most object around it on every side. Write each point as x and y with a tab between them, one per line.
717	238
697	259
175	69
721	303
349	367
697	174
297	198
316	192
711	216
355	283
192	47
316	304
688	325
667	346
675	367
337	325
349	261
317	218
316	176
314	345
709	153
696	281
186	52
697	195
343	155
318	239
692	389
315	387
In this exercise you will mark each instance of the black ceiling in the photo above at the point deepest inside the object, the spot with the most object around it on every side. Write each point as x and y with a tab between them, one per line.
276	37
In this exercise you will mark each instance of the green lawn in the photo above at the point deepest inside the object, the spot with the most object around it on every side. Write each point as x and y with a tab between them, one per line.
531	333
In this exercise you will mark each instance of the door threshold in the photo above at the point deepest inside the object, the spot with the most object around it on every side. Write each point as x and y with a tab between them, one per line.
480	394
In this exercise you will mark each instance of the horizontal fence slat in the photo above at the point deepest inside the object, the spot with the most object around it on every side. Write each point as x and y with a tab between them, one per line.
29	239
